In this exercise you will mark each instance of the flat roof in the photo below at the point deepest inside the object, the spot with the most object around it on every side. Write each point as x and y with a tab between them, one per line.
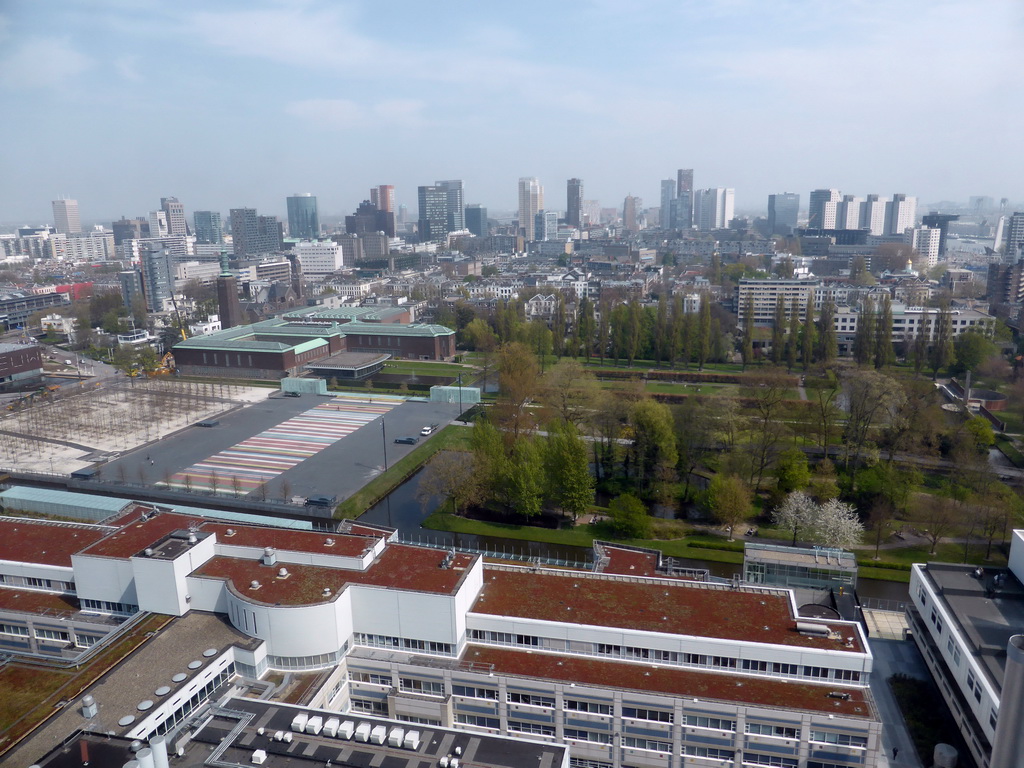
669	606
44	542
290	540
349	360
137	534
648	678
30	601
988	615
43	496
412	569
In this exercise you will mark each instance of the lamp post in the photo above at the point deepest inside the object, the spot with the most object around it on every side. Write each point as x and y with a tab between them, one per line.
460	400
384	443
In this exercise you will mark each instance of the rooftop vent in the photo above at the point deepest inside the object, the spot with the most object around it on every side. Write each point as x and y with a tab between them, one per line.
148	552
230	532
327	592
269	556
192	538
254	584
840	695
329	543
282	573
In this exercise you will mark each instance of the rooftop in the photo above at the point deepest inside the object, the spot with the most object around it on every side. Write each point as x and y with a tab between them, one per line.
290	540
988	614
30	601
137	534
675	682
44	542
412	569
667	606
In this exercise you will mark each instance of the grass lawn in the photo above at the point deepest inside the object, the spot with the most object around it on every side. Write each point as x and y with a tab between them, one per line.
1010	451
452	436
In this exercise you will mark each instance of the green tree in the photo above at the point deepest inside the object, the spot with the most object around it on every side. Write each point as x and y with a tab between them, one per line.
793	336
662	337
453	476
971	349
981	434
586	326
653	451
570	391
827	342
871	398
518	385
779	331
864	339
748	332
569	483
704	331
729	500
884	355
942	345
792	471
808	334
629	518
523	488
918	352
695	438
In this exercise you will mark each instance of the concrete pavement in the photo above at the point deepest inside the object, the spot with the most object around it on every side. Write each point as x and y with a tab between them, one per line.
892	657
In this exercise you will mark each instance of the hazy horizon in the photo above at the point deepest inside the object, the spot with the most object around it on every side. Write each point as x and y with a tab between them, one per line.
117	103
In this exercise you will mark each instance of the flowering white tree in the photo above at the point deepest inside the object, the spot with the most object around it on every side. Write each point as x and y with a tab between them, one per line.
837	525
832	524
797	513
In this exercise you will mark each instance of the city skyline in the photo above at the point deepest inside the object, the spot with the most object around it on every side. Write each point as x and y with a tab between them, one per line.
349	78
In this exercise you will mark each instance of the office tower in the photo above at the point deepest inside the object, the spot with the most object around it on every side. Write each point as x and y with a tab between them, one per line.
629	209
368	218
940	221
574	203
872	215
129	229
227	296
158	224
900	214
713	208
131	287
208	227
684	194
546	225
157	262
433	221
303	217
455	202
476	220
174	212
848	212
926	241
822	207
403	213
668	196
1014	233
253	234
383	197
65	217
783	210
531	201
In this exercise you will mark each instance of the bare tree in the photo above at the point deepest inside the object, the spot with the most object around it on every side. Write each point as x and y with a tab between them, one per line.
937	516
453	476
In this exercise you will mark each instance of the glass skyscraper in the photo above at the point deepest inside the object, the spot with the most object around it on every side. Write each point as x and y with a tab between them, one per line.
303	217
208	227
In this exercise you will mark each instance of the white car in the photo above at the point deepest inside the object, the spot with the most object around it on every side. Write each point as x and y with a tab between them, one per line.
429	430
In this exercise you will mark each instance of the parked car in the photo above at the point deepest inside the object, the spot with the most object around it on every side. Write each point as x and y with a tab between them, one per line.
428	430
407	440
293	394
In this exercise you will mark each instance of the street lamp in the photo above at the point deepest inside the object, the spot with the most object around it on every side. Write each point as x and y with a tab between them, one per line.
460	400
384	442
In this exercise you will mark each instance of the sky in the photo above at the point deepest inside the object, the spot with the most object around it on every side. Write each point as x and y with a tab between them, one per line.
228	104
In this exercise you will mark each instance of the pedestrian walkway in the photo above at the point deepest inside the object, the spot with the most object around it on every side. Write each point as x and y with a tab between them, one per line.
892	657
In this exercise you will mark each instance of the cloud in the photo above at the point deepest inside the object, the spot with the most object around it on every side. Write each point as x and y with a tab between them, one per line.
42	62
344	114
127	68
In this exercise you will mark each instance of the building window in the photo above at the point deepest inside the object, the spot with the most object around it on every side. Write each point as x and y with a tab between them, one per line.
369	706
474	693
654	715
591	707
425	687
708	752
537	729
650	744
52	634
766	729
840	739
369	677
530	699
13	629
753	758
715	723
595	736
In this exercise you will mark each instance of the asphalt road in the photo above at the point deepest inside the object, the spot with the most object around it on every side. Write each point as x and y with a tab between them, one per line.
339	470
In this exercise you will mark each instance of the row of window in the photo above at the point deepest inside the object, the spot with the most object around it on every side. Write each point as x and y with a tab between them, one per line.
634	653
54	635
405	644
369	706
36	583
198	699
103	606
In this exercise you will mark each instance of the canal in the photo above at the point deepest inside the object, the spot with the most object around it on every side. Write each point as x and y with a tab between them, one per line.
402	509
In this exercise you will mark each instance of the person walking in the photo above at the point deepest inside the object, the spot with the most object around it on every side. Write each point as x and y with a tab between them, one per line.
895	752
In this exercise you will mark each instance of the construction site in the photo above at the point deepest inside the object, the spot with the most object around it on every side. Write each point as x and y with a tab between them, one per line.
108	418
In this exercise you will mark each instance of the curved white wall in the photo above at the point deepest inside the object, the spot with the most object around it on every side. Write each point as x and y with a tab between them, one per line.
294	630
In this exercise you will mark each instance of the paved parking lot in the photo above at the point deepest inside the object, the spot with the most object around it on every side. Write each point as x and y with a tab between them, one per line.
340	469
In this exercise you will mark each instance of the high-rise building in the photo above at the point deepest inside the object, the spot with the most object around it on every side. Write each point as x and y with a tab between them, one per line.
476	220
303	217
227	296
252	234
926	241
131	287
574	203
546	225
683	218
821	208
872	215
629	213
668	195
940	221
129	229
783	211
713	208
531	201
433	221
369	218
65	217
157	275
383	196
174	211
848	212
456	203
208	227
158	224
1014	237
900	214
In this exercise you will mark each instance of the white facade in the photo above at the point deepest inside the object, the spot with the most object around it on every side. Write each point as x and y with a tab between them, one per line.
319	257
900	214
822	207
158	224
848	212
65	217
713	208
925	240
873	215
531	201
